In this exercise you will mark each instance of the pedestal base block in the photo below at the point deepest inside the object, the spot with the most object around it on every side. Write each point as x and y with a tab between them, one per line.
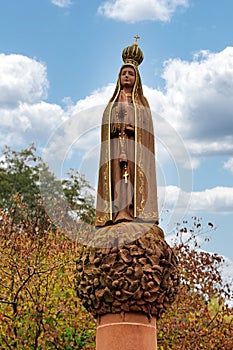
129	331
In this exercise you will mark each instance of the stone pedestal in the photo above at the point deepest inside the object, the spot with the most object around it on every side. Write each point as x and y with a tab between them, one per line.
127	277
129	331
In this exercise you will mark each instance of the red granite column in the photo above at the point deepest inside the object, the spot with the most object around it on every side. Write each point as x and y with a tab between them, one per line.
129	331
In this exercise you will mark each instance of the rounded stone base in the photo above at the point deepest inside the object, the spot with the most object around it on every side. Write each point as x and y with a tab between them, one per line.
115	275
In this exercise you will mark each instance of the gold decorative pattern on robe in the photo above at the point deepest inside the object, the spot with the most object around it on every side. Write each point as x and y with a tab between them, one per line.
145	205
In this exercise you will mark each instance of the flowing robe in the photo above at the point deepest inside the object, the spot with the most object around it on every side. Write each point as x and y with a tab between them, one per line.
137	199
122	161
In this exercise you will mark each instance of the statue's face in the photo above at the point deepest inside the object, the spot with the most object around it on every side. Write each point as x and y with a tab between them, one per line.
127	77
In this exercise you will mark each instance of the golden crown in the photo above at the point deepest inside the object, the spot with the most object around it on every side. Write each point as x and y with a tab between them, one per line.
133	54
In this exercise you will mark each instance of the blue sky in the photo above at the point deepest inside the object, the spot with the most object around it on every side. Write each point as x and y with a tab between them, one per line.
59	61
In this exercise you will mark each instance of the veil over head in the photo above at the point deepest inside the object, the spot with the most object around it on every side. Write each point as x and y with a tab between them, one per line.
144	199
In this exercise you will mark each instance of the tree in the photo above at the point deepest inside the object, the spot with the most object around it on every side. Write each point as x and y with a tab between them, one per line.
19	173
200	317
38	305
78	194
39	309
25	173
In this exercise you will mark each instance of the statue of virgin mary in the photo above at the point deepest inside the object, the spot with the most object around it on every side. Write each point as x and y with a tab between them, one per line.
127	188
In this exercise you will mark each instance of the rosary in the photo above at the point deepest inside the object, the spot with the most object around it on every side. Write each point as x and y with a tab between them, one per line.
126	174
120	115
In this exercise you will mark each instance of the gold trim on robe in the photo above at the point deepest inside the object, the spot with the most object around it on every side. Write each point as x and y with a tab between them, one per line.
144	201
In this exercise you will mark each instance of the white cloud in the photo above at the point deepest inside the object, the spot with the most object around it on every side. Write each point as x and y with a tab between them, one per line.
201	92
215	200
229	165
193	112
25	117
22	80
62	3
29	123
197	101
74	133
175	204
227	273
79	134
98	97
138	10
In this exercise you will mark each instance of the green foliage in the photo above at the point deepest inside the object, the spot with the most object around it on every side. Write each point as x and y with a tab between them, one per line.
24	173
200	317
38	306
39	309
19	173
78	194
